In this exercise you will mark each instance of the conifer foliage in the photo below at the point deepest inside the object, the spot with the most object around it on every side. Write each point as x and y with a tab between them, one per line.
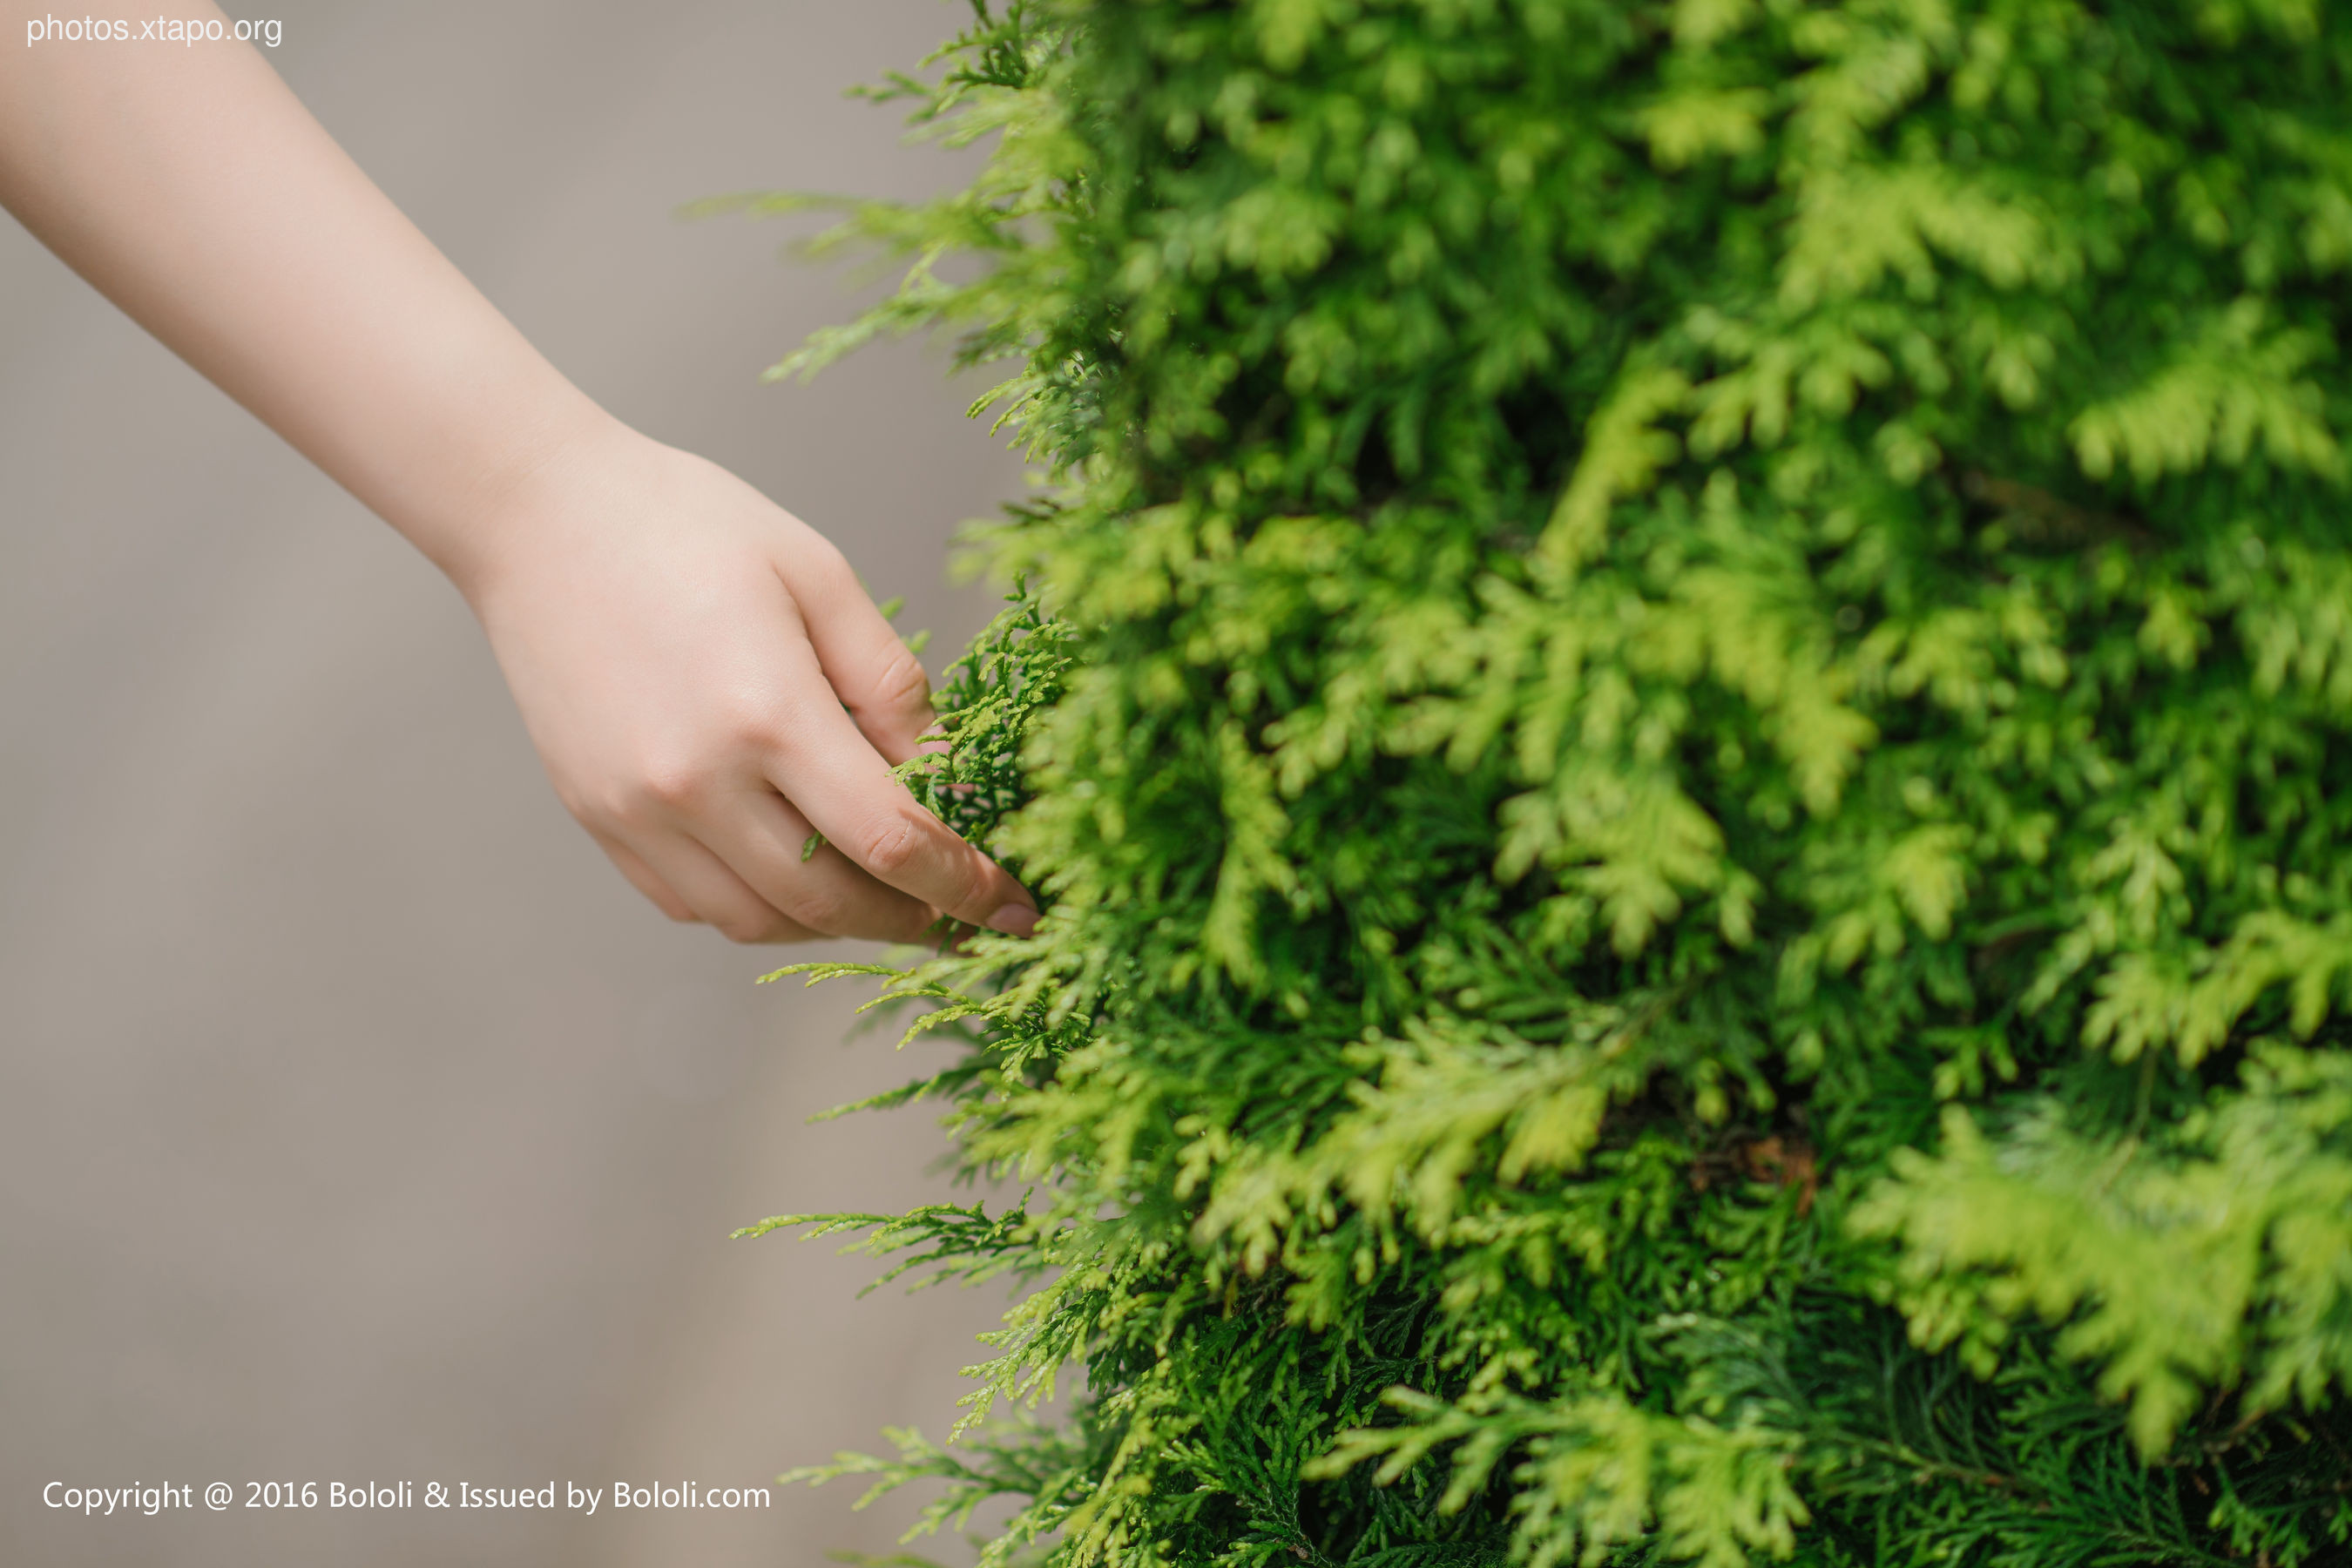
1684	704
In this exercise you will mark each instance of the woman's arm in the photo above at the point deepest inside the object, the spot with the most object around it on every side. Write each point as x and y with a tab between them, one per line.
703	675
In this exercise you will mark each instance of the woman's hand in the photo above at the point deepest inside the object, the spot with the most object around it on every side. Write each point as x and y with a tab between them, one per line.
703	675
708	685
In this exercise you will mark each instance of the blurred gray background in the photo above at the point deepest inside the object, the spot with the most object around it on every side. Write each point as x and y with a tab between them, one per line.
357	1121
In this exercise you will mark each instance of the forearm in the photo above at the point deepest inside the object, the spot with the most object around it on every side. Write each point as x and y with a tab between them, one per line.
191	187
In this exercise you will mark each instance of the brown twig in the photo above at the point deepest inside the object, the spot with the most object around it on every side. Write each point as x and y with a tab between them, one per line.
2040	518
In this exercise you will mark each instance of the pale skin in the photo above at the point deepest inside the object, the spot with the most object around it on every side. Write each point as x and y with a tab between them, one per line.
703	675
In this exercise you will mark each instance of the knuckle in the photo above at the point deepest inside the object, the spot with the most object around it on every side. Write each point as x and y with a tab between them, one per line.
609	808
670	785
822	912
755	728
749	926
904	683
892	845
627	812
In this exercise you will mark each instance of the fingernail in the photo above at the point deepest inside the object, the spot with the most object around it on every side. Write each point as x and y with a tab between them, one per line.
1014	920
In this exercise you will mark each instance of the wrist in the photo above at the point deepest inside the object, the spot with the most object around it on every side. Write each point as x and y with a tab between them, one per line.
524	492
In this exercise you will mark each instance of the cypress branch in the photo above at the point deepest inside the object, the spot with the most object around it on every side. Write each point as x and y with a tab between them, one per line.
1684	699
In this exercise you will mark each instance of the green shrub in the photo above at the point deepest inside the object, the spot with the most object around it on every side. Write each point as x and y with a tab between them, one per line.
1685	704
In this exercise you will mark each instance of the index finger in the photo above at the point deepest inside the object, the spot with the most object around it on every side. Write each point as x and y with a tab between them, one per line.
876	675
827	767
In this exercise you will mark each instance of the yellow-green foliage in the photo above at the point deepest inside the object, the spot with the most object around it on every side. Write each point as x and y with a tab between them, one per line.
1685	709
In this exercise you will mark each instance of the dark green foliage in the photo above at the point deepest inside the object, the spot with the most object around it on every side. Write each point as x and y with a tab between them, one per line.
1693	765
